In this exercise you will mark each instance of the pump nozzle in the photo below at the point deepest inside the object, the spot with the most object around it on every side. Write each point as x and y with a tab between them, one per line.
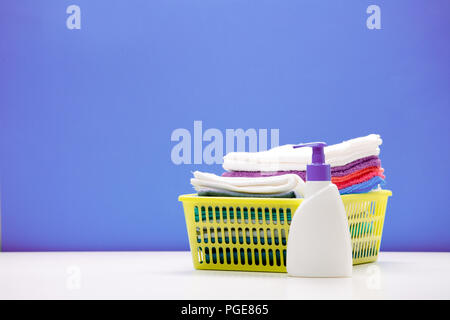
318	170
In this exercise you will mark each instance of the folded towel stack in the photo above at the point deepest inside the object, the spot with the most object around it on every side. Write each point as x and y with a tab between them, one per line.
279	186
355	164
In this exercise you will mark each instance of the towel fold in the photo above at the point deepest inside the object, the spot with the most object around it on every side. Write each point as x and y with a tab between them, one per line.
357	182
225	193
365	186
356	172
359	164
275	185
286	158
357	177
338	171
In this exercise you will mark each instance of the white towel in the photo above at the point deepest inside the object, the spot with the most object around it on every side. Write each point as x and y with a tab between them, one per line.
260	185
286	158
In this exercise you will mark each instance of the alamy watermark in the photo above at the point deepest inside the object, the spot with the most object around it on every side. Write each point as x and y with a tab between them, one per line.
374	20
73	280
373	280
73	21
209	147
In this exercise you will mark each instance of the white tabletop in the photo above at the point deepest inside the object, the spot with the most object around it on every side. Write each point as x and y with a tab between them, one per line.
170	275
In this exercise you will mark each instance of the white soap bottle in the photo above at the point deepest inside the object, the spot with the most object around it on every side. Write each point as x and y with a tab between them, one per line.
319	243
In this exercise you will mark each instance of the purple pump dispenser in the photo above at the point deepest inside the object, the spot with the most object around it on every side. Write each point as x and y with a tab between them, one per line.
318	170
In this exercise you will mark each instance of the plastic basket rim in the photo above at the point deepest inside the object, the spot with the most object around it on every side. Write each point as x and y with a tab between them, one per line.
351	196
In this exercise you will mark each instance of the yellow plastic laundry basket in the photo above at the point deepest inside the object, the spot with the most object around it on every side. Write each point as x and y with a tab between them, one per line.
250	234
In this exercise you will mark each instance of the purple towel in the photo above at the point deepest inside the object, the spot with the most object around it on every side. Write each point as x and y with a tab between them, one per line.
372	161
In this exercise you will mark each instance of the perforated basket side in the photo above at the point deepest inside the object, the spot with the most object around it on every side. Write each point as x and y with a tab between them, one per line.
243	234
366	221
250	234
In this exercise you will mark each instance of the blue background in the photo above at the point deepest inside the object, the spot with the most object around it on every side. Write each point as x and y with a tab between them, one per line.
86	115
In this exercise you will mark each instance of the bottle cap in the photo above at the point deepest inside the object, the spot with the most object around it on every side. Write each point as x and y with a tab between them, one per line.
318	170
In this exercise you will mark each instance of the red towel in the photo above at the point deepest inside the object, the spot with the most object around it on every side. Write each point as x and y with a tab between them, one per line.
357	177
